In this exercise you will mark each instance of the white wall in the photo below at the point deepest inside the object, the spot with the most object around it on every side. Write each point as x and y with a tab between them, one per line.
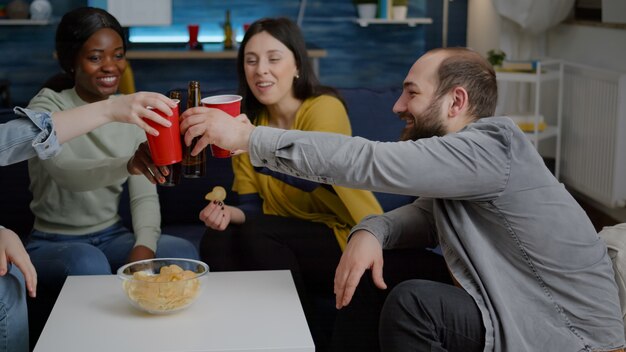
594	46
483	26
590	45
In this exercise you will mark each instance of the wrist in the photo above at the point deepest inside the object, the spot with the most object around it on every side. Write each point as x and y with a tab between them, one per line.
107	109
129	165
245	137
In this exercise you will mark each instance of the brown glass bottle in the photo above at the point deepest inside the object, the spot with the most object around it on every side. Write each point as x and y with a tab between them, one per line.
228	32
193	166
176	169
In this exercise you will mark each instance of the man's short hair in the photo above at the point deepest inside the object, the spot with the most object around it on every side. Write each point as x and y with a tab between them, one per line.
466	68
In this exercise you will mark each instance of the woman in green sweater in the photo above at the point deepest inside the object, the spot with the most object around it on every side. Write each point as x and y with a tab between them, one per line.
76	194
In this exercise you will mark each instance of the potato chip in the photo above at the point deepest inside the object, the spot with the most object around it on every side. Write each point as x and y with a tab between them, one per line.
217	194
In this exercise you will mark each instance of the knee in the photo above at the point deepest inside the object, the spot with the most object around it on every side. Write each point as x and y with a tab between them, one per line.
176	247
258	233
13	313
11	291
214	240
85	259
251	230
56	261
410	298
424	290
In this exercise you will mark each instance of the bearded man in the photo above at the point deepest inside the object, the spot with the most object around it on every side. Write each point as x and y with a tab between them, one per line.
530	272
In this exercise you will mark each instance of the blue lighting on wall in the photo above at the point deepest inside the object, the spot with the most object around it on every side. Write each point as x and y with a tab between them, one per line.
176	34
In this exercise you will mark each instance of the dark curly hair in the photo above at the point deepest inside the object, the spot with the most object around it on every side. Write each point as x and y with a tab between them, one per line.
76	27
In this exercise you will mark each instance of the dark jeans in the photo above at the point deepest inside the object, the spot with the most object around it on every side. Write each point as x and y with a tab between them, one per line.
421	315
420	310
309	250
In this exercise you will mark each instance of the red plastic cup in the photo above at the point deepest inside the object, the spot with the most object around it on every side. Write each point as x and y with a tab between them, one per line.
166	148
230	104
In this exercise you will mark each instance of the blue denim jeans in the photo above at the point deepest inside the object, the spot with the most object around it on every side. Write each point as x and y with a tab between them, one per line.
13	312
57	256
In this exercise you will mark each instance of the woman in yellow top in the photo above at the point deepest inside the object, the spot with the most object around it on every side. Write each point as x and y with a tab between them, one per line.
283	222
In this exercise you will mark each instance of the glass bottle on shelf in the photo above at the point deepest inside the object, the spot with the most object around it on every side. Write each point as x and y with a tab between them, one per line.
193	166
228	33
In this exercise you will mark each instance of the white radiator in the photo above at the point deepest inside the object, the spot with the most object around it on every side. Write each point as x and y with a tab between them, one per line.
593	150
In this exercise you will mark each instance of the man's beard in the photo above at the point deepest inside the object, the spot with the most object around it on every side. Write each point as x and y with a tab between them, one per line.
426	124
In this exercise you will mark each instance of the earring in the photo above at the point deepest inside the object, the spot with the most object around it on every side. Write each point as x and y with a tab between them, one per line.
297	76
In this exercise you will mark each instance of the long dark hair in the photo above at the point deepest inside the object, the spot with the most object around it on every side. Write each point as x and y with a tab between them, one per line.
287	32
75	28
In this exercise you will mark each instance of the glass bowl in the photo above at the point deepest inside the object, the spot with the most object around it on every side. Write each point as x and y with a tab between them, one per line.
163	285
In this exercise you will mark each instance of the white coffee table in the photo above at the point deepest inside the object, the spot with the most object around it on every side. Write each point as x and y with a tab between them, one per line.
237	311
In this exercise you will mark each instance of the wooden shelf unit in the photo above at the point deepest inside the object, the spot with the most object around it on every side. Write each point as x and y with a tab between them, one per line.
25	22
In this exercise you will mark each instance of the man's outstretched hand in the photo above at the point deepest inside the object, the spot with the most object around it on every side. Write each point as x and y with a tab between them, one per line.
213	126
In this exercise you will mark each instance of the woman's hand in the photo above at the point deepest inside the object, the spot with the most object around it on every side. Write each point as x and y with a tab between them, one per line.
140	253
214	126
12	251
216	215
133	108
141	164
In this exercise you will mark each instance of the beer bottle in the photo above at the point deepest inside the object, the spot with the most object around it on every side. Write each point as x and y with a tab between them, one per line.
193	166
228	32
175	94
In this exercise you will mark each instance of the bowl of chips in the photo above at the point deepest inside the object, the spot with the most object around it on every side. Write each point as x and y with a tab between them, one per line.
163	285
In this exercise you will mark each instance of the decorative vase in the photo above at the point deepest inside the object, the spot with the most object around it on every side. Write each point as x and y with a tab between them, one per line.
17	10
40	10
399	12
366	11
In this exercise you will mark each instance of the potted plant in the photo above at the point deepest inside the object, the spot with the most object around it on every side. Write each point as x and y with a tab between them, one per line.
496	57
366	8
399	9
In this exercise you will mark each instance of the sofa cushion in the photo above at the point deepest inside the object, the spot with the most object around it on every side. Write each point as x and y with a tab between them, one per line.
16	198
371	117
371	114
15	204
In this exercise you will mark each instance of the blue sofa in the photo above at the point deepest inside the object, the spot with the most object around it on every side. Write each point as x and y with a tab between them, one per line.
370	115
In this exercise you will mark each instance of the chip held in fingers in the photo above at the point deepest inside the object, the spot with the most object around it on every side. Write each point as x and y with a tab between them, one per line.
217	194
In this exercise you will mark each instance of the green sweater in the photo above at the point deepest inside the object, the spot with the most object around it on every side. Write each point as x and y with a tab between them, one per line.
78	191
